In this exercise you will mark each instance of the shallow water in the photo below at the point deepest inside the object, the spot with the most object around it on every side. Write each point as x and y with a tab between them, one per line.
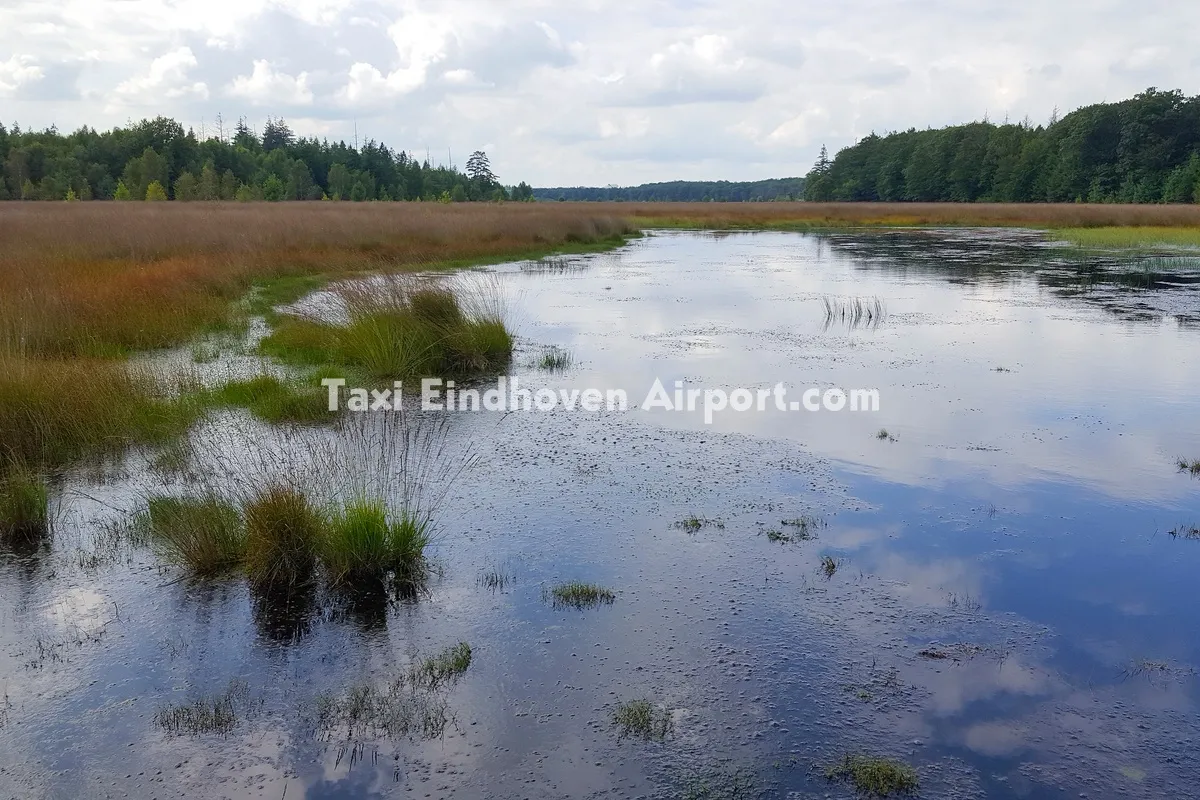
1008	613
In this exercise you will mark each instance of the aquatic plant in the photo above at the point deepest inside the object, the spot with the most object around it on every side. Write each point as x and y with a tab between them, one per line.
829	566
854	312
411	704
1192	466
580	595
799	529
24	505
283	532
643	719
874	777
205	534
693	523
555	359
495	579
1185	531
365	545
884	436
218	714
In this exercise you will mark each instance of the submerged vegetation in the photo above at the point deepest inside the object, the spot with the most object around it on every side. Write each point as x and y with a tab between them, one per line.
642	719
218	714
580	595
410	704
874	777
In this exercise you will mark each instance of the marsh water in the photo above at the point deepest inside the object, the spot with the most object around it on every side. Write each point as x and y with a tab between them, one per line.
1011	608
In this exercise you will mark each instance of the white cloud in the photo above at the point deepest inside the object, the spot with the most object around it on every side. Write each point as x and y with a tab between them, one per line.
18	71
166	78
267	87
594	92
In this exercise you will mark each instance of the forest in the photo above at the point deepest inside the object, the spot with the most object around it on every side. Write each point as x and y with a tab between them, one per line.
1142	150
683	192
158	160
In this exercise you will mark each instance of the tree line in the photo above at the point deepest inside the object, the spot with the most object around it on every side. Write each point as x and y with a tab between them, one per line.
682	191
158	160
1142	150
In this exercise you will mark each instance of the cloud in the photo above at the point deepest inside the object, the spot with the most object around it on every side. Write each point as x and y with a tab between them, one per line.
17	72
596	92
167	77
267	87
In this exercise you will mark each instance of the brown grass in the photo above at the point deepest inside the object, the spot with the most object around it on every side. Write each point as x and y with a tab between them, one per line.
1033	215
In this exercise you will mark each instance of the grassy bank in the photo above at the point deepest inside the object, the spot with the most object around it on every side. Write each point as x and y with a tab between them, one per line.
84	284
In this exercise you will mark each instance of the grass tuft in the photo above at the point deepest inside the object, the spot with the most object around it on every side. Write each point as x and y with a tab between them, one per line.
273	400
693	523
443	668
580	595
217	714
642	719
204	534
24	505
555	359
1192	466
366	545
283	530
874	777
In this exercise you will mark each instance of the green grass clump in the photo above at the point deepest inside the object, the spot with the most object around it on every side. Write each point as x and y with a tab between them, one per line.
443	668
204	534
24	505
365	545
642	719
283	532
800	529
874	777
580	595
274	400
401	331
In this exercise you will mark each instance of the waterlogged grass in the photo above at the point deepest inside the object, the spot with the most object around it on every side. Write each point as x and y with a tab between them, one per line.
274	400
56	412
642	719
829	566
412	704
211	715
580	595
206	534
401	328
1192	467
874	777
1130	238
24	505
694	524
283	531
799	529
366	545
853	313
1186	531
884	436
553	358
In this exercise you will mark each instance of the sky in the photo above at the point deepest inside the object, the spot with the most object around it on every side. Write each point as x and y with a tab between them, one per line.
588	92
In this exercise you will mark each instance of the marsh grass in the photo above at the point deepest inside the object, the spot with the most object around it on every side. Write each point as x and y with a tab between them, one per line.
579	595
884	436
799	529
412	704
205	534
693	523
212	715
1135	237
24	505
722	782
401	326
829	566
366	545
1192	467
553	358
853	313
874	777
274	400
495	579
1185	531
283	532
642	719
